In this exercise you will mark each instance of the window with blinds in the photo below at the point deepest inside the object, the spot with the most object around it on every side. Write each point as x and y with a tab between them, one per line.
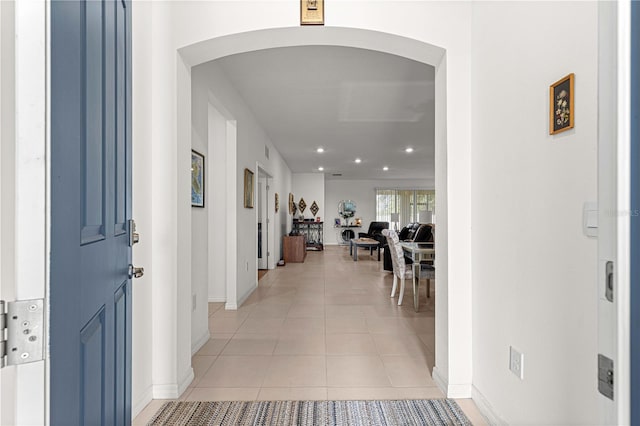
411	205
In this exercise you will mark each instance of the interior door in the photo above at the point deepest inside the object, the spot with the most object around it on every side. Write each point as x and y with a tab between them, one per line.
90	294
263	221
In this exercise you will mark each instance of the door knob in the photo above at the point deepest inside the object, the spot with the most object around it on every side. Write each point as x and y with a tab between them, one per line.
135	272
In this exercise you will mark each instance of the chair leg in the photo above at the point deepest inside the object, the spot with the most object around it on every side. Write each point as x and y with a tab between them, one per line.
416	293
395	285
428	287
401	291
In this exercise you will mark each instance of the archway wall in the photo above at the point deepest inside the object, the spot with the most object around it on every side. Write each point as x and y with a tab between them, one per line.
172	37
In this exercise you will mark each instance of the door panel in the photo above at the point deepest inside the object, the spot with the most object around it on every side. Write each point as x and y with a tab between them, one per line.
90	209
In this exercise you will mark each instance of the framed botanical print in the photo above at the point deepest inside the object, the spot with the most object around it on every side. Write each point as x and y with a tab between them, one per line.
561	106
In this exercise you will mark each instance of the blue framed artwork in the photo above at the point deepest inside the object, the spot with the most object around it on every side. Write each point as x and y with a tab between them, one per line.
197	179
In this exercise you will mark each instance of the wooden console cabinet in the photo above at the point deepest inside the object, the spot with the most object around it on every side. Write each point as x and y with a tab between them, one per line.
294	248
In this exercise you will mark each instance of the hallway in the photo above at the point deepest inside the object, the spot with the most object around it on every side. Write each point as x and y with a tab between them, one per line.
322	329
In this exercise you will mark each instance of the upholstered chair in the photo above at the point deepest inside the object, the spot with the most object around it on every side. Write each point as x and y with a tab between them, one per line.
375	231
403	271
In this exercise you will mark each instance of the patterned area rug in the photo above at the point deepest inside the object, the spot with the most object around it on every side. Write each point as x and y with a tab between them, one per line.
308	413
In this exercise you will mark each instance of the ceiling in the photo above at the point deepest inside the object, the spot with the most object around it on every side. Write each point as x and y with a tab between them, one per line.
354	103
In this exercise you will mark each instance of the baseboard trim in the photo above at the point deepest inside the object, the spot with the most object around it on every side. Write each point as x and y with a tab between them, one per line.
217	299
485	408
186	381
441	382
174	390
166	391
195	347
247	294
143	401
451	391
230	306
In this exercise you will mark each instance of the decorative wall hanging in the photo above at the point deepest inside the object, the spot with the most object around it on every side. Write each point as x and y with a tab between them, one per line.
248	188
197	179
277	202
561	108
302	205
292	204
311	12
314	208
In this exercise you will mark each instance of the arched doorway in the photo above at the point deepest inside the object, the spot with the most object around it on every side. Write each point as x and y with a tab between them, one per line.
212	49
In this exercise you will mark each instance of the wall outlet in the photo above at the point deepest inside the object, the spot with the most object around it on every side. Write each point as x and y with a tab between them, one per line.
194	302
516	362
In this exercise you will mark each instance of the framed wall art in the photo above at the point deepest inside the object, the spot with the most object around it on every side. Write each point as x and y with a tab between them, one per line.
248	189
292	204
311	12
561	105
197	179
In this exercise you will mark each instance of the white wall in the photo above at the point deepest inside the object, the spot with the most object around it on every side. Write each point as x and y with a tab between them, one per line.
143	153
200	254
210	84
363	192
534	272
310	187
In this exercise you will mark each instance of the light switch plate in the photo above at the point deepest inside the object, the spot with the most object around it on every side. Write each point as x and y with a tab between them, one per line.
590	219
516	362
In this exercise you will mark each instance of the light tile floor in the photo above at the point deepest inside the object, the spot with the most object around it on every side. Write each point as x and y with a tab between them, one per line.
322	329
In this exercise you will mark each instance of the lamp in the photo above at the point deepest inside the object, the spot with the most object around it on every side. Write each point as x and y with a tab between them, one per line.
395	218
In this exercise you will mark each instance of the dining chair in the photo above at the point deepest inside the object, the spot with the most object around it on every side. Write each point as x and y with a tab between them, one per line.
403	271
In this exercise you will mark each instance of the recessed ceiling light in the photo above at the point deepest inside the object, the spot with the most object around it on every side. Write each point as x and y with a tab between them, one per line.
321	168
321	149
409	150
358	160
385	168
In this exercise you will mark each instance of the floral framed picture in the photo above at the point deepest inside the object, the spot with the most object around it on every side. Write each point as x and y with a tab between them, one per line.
561	105
248	189
197	179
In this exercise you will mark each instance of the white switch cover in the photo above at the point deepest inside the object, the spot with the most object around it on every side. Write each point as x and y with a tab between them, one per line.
590	219
516	362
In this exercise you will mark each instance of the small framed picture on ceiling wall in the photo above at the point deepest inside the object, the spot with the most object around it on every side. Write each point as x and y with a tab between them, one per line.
197	179
561	106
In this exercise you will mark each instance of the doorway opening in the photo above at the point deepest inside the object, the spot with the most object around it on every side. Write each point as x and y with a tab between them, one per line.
245	280
263	219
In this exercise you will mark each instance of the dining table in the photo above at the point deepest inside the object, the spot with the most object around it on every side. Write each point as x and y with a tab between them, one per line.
418	252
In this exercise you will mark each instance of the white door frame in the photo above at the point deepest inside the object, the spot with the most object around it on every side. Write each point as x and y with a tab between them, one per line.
614	202
452	372
266	248
25	191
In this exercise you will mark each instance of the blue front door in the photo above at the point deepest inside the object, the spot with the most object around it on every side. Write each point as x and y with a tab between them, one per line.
90	293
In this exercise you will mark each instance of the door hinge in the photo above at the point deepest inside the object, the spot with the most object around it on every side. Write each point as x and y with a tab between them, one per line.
21	331
609	277
606	375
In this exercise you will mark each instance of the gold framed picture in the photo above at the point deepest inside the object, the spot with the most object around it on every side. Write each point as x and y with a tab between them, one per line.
292	204
311	12
561	106
248	189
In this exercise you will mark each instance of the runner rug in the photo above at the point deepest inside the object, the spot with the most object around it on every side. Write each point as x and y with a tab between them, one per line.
308	413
